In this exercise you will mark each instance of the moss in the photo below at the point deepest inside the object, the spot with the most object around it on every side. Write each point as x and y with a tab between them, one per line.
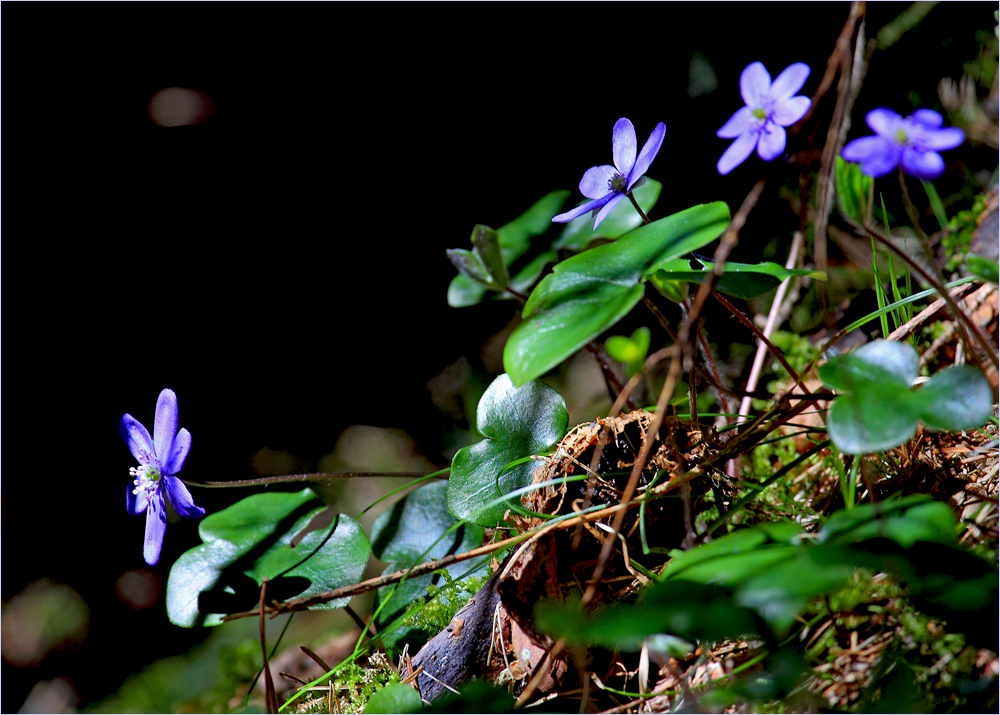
958	238
354	685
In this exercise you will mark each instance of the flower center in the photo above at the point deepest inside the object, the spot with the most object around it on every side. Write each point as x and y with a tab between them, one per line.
146	477
617	184
759	113
901	137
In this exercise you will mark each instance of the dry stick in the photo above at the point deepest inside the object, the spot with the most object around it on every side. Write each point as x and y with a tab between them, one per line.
269	695
729	240
840	123
926	315
609	374
291	478
765	342
957	312
911	211
762	348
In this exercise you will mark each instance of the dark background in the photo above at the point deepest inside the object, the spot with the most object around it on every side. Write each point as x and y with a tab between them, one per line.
282	265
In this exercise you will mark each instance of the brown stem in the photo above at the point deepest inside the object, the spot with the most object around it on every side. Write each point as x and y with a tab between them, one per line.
645	218
270	697
315	477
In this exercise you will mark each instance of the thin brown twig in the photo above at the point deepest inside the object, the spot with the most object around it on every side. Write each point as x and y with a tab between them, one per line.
956	312
314	477
729	240
270	697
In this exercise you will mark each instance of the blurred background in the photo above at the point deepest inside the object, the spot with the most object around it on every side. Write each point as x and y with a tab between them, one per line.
250	204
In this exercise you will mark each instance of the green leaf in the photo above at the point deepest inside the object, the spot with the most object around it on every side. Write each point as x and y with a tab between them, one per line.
253	539
631	351
588	293
878	409
983	268
474	697
579	232
854	190
905	521
517	422
484	263
514	239
410	533
741	280
394	698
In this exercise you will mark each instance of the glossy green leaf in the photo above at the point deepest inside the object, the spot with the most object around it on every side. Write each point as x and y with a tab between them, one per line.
631	351
740	280
517	422
579	233
253	539
410	532
514	239
984	268
878	409
394	698
484	263
854	191
588	293
474	697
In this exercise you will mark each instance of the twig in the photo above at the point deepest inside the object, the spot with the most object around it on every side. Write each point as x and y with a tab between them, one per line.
928	314
729	240
762	347
957	312
269	695
314	477
847	89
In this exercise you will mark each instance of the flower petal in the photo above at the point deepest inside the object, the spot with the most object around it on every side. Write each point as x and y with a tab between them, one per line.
156	527
165	426
135	503
178	453
648	153
603	213
864	148
882	163
941	139
140	444
789	111
789	81
924	165
596	183
927	117
741	121
623	144
883	121
181	499
582	209
754	84
737	152
772	142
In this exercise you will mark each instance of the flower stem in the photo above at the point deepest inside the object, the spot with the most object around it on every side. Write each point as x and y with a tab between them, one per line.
645	218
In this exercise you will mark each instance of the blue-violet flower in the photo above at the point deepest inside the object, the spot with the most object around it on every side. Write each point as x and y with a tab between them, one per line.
607	185
769	108
155	479
913	142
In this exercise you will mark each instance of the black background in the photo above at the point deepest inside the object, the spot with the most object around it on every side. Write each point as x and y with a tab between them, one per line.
282	266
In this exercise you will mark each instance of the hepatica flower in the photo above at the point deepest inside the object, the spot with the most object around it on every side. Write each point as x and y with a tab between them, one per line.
155	479
913	142
607	185
770	107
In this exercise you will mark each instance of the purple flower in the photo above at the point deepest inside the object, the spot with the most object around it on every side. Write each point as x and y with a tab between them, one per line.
770	108
913	142
607	185
160	459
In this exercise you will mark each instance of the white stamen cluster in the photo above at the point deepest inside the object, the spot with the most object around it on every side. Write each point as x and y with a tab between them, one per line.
144	477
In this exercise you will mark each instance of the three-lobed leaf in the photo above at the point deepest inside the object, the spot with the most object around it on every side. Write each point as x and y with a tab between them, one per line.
416	529
517	421
878	409
253	539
